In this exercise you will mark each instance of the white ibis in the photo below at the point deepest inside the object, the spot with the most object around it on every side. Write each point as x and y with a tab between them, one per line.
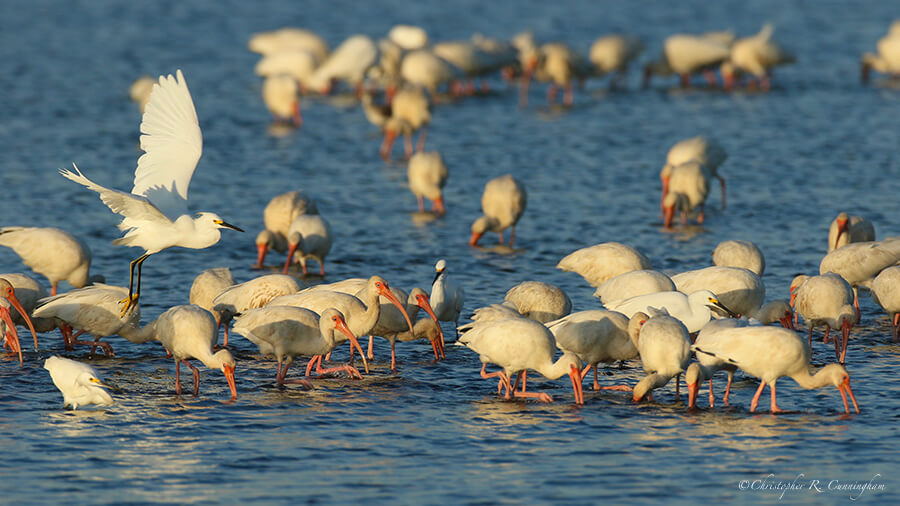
502	203
299	64
447	298
425	69
391	322
208	285
692	310
887	58
739	289
408	37
427	176
288	39
688	189
539	301
846	229
665	349
614	53
886	292
7	326
22	293
93	310
250	295
736	253
600	262
757	55
560	65
281	94
348	62
859	262
309	236
520	344
707	365
769	353
688	54
155	214
826	300
80	384
595	336
50	252
278	215
633	283
702	149
190	332
288	331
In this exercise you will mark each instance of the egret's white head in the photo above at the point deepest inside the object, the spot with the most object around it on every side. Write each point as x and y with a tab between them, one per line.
215	221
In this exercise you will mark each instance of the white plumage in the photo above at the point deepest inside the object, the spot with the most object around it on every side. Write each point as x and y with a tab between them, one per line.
826	300
632	284
309	236
886	292
50	252
739	289
250	295
692	310
447	298
595	336
502	203
600	262
665	349
739	254
846	229
155	213
427	176
79	383
278	215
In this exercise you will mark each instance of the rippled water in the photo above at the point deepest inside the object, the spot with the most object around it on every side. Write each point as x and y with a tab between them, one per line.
817	144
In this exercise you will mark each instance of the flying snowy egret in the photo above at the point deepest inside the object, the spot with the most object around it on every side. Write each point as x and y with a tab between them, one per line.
155	213
79	383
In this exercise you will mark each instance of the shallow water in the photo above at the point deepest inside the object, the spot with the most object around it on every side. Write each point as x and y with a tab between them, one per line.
819	143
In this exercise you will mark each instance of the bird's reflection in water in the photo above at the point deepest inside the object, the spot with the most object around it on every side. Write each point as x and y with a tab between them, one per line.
280	129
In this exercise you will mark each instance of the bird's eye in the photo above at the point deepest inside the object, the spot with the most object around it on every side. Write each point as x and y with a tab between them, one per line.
334	318
9	290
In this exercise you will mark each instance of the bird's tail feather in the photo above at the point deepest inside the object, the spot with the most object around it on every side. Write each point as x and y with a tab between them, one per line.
711	354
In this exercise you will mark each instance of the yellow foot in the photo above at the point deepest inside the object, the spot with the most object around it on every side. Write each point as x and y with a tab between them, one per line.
129	304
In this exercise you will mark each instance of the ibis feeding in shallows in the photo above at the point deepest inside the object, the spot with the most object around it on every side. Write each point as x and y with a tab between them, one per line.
79	383
155	213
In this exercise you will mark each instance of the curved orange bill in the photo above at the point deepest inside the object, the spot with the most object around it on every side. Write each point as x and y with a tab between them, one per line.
18	305
693	389
474	239
229	376
575	376
290	256
427	307
846	386
261	250
342	326
386	291
788	320
842	227
11	332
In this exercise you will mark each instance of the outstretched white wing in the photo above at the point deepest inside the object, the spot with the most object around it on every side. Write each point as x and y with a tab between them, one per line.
134	208
172	143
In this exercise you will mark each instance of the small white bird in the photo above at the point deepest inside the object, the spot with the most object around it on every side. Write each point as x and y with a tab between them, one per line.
287	39
299	64
692	310
348	62
846	229
190	332
595	336
208	285
886	292
665	349
309	236
520	344
769	353
632	284
447	298
155	213
287	331
79	383
425	69
392	323
278	215
702	149
427	176
739	289
502	203
252	294
859	262
600	262
739	254
756	55
688	54
614	53
50	252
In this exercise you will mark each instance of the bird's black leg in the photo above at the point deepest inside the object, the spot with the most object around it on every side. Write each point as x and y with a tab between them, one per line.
132	297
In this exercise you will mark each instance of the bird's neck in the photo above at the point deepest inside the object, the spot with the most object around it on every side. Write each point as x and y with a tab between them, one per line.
194	236
650	383
373	310
559	368
138	335
811	382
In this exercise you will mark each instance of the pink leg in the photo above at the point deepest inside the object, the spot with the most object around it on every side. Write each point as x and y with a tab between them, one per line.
225	344
53	289
534	395
106	347
500	236
551	94
701	216
896	325
322	268
408	145
177	377
504	380
421	203
349	369
196	377
568	95
512	236
393	358
774	408
845	337
711	78
312	362
827	339
728	387
370	355
755	401
420	145
712	398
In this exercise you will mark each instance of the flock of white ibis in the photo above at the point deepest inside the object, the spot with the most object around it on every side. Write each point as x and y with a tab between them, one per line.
718	314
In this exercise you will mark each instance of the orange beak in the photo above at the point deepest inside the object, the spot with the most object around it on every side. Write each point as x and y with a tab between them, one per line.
342	326
298	119
386	292
575	375
387	144
473	241
844	389
693	390
668	214
424	304
229	376
290	256
11	332
793	296
665	190
11	297
261	250
842	227
788	320
439	206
